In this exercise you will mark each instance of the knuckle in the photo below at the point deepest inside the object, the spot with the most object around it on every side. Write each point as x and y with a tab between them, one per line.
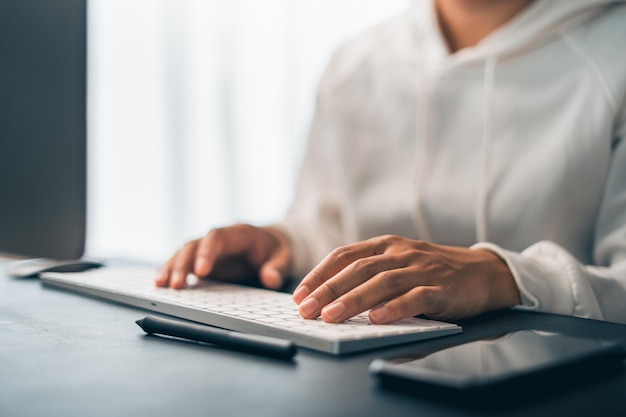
403	307
389	237
357	299
405	257
314	278
385	276
426	295
399	308
340	254
427	301
331	290
385	241
422	245
392	279
392	242
364	267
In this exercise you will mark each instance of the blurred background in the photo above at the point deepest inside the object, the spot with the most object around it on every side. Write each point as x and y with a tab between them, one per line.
199	112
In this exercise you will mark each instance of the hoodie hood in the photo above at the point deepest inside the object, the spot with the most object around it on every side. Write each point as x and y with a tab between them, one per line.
538	22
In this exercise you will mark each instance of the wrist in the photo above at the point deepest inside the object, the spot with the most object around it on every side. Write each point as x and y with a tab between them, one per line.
501	286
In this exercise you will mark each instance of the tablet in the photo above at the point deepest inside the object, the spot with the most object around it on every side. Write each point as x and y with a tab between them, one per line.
501	372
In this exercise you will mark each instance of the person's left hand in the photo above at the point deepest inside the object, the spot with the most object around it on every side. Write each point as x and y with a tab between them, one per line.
398	278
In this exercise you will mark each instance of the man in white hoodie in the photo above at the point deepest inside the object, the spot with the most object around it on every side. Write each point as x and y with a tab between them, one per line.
466	156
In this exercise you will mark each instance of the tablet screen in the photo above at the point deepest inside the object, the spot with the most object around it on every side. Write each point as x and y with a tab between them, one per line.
528	360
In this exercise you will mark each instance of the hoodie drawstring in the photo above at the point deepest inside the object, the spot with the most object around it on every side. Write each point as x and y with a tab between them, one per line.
423	133
484	185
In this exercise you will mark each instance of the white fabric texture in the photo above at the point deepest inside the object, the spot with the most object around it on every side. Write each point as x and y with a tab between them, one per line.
515	145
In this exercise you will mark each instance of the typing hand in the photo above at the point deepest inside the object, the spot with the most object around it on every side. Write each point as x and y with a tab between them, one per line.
231	253
399	278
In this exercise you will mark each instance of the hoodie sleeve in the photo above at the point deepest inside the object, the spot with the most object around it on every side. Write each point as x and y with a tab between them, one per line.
552	280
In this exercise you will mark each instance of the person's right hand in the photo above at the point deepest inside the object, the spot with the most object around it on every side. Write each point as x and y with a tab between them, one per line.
231	253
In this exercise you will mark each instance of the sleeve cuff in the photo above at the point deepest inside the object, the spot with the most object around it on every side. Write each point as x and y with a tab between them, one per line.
544	285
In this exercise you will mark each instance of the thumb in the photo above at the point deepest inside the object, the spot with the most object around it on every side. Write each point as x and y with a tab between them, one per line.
273	272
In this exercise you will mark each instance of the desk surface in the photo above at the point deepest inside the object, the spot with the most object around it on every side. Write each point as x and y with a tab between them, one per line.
64	354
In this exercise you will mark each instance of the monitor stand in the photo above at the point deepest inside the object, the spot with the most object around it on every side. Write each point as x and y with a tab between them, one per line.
34	267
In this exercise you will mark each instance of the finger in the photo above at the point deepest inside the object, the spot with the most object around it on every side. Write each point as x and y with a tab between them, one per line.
386	285
182	265
274	271
427	300
221	243
271	277
332	264
207	253
349	285
163	276
165	271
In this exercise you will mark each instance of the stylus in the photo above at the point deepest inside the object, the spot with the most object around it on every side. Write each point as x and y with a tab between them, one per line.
250	343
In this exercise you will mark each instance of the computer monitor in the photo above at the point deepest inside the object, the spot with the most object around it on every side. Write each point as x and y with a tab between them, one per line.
43	128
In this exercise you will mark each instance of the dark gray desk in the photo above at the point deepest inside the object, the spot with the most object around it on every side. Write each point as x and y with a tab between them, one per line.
63	354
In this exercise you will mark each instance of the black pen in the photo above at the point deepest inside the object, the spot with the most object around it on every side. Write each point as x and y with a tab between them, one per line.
250	343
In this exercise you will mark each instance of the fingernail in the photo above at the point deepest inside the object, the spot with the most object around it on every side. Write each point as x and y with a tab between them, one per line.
379	315
300	294
334	312
309	308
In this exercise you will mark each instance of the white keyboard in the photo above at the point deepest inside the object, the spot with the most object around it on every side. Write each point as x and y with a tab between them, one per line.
245	309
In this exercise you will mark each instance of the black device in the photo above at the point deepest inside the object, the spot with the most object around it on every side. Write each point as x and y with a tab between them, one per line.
499	373
43	72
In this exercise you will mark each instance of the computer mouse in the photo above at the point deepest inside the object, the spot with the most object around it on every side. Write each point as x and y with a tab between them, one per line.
33	267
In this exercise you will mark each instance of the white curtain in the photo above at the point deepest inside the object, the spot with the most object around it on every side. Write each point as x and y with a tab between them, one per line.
199	112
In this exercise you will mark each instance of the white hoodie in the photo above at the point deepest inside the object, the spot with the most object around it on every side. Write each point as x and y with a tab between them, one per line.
517	145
